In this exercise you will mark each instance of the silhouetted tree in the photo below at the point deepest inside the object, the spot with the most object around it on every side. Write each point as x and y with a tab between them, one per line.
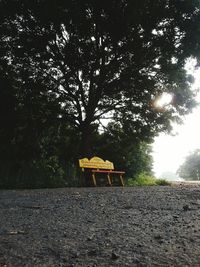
103	59
190	169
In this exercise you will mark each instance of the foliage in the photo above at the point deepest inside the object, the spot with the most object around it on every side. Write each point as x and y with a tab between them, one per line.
66	66
101	59
127	153
145	179
36	174
47	161
162	182
142	179
190	169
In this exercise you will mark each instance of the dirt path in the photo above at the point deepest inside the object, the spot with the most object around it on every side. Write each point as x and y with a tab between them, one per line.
148	226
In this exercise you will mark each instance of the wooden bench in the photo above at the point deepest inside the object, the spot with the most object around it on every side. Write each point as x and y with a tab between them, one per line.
97	165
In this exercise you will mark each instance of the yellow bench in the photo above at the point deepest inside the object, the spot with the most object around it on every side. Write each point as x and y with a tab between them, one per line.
98	165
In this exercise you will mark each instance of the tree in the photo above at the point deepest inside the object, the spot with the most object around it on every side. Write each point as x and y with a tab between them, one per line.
105	59
190	169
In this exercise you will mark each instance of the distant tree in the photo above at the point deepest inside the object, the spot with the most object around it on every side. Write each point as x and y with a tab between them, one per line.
102	59
190	169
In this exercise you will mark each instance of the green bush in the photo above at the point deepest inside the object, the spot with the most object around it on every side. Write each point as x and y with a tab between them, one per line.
141	179
42	173
162	182
145	179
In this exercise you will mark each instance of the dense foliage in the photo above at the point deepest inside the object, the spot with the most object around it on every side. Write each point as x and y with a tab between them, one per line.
67	65
190	169
127	153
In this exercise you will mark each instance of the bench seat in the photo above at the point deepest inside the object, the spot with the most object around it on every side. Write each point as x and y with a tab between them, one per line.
97	165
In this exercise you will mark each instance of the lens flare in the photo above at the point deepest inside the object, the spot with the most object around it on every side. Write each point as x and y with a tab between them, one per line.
163	100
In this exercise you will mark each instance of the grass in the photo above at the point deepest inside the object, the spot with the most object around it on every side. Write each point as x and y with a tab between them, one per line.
162	182
144	179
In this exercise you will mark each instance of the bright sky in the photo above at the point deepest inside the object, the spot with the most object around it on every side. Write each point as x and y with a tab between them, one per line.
169	152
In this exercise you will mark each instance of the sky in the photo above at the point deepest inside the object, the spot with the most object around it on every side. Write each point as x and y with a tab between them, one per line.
170	151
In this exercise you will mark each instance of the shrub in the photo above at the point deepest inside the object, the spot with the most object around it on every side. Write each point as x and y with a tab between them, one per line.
162	182
145	179
42	173
141	179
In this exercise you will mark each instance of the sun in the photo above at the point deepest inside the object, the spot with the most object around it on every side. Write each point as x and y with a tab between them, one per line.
163	101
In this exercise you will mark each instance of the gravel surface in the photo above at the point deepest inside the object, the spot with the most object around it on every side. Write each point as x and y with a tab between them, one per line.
143	226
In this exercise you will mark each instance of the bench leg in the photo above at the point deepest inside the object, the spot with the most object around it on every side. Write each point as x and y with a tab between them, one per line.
121	179
94	179
109	180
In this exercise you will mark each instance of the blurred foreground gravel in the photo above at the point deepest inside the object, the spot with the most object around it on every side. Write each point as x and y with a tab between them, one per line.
143	226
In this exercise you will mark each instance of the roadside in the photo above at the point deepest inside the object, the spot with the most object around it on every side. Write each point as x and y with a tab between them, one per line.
140	226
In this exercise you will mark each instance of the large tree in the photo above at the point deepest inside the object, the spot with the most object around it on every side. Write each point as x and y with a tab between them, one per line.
104	59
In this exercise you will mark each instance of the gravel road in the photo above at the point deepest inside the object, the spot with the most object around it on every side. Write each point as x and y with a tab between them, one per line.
143	226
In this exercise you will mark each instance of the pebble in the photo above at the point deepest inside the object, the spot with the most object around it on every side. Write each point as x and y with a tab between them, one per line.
92	252
89	238
186	207
114	255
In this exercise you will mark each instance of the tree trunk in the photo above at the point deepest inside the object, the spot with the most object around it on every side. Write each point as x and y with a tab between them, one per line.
86	149
86	141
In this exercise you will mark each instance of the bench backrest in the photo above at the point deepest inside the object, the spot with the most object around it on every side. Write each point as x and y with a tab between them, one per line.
95	163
